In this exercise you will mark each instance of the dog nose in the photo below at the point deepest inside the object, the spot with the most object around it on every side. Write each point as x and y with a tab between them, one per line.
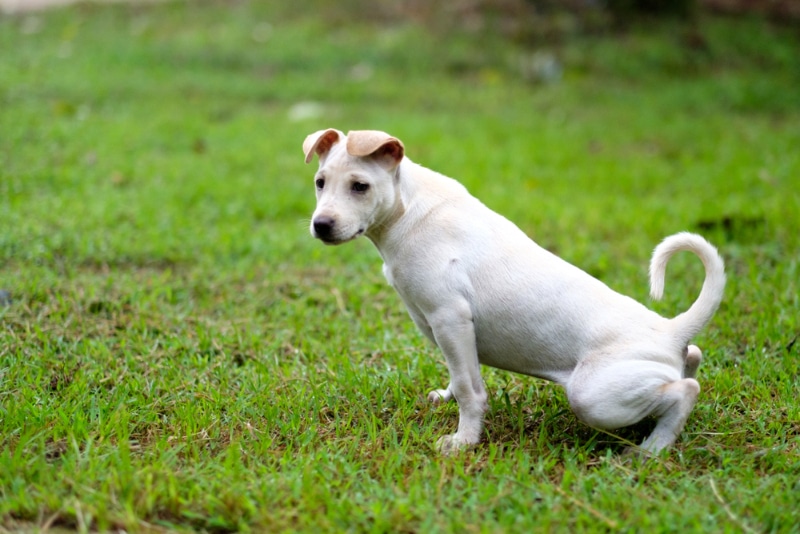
323	226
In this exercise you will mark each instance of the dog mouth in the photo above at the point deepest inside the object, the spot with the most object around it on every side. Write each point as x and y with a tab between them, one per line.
336	240
332	230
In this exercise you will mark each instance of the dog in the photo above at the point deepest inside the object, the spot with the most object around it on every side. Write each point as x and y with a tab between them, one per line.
485	293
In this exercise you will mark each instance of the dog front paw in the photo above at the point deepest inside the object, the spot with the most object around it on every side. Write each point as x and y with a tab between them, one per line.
439	396
452	444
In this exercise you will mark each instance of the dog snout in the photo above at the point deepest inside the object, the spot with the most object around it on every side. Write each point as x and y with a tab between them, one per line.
323	227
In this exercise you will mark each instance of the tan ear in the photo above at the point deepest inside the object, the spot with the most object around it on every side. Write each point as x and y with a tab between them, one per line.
374	143
320	142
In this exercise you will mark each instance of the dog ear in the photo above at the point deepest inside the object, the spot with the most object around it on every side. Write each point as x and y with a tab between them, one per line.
379	145
320	143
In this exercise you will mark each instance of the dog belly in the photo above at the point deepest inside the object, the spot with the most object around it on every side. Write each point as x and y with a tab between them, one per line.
521	352
544	333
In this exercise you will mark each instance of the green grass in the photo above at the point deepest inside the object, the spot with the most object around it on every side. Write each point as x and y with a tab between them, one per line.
180	354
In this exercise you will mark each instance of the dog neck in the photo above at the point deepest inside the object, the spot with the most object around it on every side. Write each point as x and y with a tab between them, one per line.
379	230
419	192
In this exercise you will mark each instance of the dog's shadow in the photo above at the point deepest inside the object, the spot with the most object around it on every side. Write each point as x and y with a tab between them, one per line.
543	428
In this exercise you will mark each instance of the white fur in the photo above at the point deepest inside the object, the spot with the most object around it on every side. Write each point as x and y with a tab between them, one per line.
484	293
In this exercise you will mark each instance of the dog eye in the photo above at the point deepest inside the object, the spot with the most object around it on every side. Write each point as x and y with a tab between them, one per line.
320	183
360	187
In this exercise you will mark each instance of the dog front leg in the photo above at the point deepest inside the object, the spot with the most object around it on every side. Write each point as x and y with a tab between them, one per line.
455	335
437	396
441	396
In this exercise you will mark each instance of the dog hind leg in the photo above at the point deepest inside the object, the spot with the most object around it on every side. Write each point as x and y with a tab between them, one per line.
675	405
692	361
621	394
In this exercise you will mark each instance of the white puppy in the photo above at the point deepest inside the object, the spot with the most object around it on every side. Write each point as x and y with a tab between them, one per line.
480	289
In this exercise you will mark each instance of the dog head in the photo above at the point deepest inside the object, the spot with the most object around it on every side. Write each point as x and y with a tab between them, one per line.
356	182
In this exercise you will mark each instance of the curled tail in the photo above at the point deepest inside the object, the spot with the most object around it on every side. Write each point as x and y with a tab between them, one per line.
689	323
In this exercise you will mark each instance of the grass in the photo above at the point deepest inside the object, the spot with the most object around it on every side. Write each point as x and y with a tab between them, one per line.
177	353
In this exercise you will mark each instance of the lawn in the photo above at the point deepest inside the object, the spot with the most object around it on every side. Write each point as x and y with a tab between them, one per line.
177	352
